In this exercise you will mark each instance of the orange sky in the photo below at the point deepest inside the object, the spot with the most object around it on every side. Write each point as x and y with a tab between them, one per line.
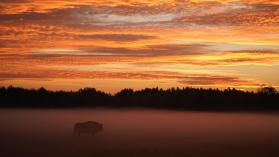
113	44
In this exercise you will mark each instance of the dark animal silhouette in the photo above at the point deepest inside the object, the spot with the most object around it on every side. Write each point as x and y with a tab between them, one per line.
88	128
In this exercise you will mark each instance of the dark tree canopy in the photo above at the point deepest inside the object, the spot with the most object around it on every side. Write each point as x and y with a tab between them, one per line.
267	91
173	98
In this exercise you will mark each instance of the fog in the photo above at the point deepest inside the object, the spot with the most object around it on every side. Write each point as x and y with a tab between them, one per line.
138	132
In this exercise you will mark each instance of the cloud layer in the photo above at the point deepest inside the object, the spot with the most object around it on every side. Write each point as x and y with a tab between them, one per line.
181	41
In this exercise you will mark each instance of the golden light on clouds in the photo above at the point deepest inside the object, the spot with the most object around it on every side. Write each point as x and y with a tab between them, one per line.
149	43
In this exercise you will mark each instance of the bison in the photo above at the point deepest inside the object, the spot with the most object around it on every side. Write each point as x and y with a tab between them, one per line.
88	128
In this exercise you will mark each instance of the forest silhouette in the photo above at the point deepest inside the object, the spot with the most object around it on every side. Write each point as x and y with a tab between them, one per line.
266	98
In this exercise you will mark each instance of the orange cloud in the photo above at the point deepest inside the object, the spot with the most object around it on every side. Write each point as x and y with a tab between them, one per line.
93	39
184	78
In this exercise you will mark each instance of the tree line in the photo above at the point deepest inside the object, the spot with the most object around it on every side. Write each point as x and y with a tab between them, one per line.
172	98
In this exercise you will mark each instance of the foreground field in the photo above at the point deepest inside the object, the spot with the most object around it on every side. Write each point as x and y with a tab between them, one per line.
139	132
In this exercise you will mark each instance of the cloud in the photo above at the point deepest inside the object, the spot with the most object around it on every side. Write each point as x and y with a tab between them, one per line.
110	19
245	14
205	80
232	58
156	50
183	78
155	55
117	37
147	51
151	14
160	34
244	57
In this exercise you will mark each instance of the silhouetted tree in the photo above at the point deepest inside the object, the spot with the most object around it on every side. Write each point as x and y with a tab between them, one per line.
267	91
173	98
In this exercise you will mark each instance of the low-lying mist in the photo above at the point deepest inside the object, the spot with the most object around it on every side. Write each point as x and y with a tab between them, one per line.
138	132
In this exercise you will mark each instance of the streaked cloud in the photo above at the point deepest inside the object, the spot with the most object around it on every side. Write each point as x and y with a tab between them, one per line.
183	78
123	13
110	19
117	37
165	40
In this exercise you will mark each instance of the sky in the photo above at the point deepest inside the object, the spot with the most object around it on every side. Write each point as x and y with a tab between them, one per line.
115	44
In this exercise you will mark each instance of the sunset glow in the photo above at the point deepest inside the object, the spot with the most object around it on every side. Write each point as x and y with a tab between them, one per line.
115	44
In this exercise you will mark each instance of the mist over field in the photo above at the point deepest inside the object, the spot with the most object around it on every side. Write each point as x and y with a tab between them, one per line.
138	132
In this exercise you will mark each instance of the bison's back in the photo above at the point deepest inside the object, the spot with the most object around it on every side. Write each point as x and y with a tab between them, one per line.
88	128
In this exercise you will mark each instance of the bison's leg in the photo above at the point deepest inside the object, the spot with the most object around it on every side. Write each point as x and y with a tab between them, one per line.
77	132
